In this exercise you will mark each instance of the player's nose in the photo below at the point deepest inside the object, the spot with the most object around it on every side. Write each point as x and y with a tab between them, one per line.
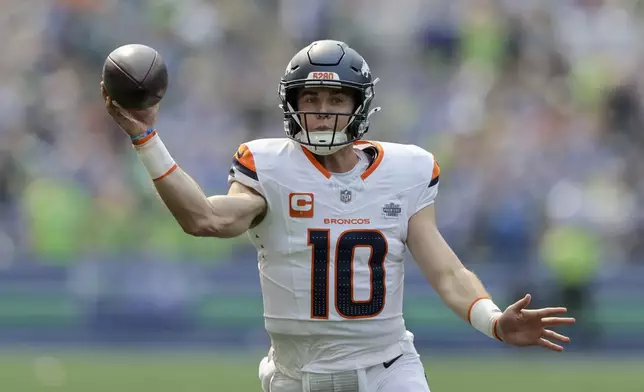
323	112
324	107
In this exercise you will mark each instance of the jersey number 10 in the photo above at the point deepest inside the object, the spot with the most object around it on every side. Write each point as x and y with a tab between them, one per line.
346	245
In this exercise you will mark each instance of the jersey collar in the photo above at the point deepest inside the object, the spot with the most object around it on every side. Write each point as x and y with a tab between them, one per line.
371	148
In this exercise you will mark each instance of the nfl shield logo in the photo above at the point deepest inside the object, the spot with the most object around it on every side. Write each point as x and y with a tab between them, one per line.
345	196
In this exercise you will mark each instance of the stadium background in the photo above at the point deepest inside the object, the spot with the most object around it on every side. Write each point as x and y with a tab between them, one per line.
533	109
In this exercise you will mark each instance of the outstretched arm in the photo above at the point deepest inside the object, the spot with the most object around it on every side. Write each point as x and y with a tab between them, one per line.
457	286
463	292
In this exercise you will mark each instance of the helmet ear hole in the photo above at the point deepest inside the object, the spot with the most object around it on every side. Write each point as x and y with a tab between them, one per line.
293	127
358	99
291	97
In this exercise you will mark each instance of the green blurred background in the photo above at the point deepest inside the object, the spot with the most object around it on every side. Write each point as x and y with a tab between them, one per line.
193	372
533	108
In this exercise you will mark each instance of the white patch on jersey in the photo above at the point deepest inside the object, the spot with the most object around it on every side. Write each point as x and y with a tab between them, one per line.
391	210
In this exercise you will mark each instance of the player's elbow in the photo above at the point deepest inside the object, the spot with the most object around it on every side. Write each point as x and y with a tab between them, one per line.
198	230
211	227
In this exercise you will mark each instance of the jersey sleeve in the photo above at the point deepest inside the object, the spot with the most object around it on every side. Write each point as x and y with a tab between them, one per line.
429	176
429	192
243	169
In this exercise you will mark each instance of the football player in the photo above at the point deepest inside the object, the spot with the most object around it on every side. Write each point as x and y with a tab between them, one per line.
331	216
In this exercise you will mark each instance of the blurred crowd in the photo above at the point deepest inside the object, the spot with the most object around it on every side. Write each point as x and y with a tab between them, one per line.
532	107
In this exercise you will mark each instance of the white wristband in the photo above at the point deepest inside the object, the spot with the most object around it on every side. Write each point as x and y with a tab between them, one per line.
155	156
483	315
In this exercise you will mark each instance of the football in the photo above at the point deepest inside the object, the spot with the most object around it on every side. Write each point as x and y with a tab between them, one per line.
135	76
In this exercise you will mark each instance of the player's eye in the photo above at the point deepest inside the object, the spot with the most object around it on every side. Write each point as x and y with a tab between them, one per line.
337	100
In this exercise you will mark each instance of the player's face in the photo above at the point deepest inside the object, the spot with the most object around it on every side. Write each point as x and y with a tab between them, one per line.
325	100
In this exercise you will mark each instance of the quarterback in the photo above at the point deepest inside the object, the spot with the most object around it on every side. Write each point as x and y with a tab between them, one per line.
331	216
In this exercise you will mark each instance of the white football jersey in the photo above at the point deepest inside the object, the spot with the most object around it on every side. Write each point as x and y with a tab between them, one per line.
331	249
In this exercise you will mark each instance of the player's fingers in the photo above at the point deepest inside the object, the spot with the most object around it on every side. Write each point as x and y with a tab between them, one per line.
116	112
552	335
111	108
110	104
550	321
106	98
549	345
522	303
544	312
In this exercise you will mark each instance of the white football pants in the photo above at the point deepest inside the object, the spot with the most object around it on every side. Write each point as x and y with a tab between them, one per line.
405	374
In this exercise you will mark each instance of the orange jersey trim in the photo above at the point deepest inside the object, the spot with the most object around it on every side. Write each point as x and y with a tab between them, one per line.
374	165
436	171
244	162
309	155
245	157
